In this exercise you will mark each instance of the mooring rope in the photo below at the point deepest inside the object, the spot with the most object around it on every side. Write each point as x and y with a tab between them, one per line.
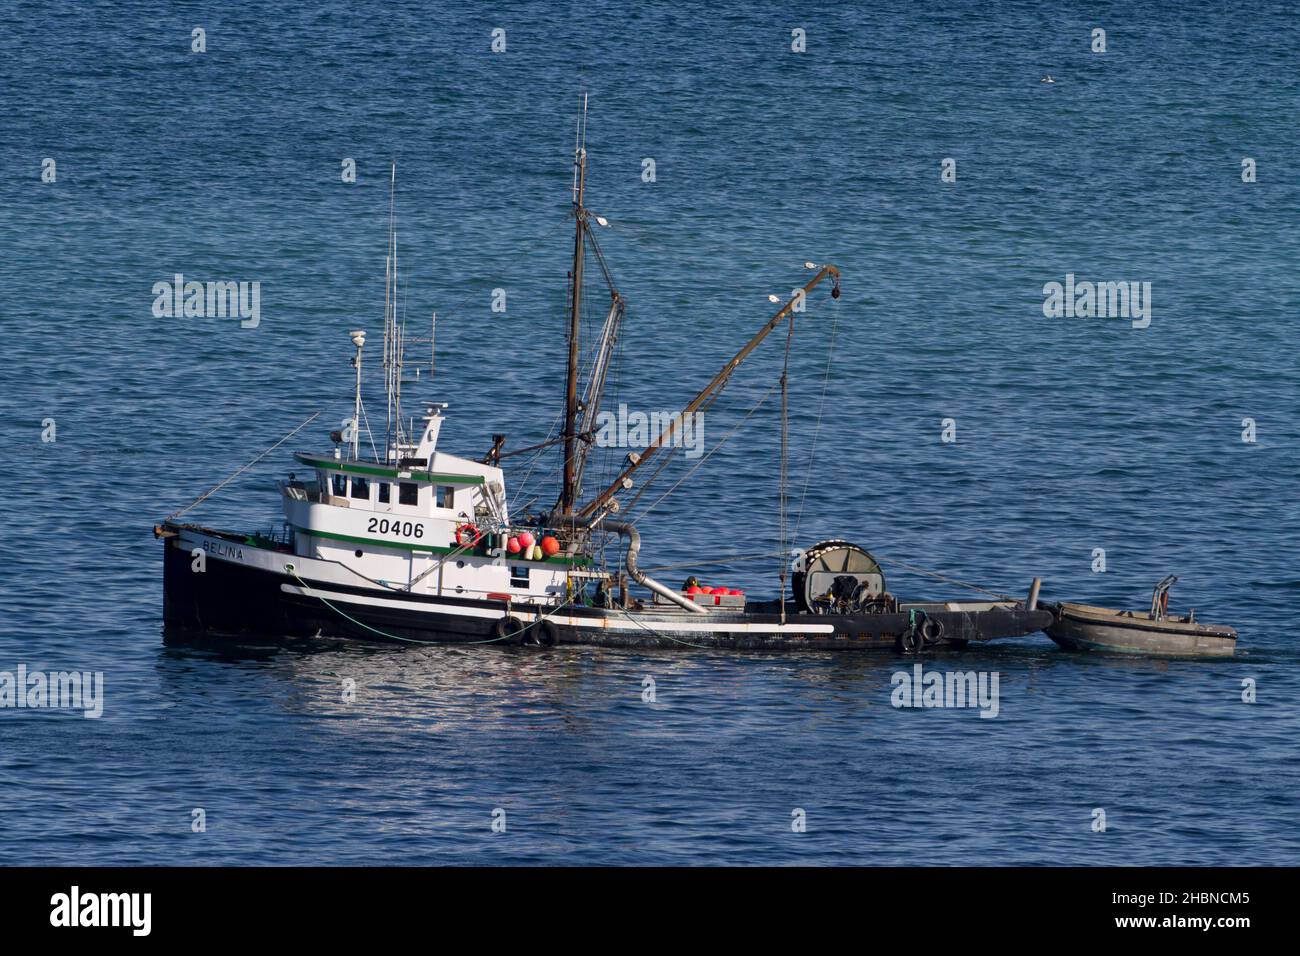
944	578
411	640
703	647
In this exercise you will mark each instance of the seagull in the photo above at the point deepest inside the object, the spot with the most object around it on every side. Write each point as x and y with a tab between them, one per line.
1048	79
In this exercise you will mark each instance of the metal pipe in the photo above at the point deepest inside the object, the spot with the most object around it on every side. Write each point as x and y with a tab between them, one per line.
1032	603
633	536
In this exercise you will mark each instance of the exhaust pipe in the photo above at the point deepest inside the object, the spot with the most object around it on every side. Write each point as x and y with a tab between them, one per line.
640	577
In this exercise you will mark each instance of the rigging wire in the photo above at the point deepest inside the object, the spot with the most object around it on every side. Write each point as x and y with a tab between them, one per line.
670	450
821	407
369	434
764	555
728	559
720	443
214	489
545	239
646	485
785	453
531	464
941	577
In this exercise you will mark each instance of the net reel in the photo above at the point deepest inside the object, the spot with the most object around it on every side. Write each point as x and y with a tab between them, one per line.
837	577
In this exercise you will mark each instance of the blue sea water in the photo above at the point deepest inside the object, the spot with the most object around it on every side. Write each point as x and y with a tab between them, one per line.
1072	434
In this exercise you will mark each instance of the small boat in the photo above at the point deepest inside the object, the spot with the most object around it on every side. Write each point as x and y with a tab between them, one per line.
1084	627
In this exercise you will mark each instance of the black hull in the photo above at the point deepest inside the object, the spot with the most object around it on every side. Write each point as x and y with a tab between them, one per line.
233	599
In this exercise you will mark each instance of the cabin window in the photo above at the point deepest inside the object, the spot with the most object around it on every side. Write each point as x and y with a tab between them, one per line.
519	577
408	493
446	496
361	488
383	492
340	485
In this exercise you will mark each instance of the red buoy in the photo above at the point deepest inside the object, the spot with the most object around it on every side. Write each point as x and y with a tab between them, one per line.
550	546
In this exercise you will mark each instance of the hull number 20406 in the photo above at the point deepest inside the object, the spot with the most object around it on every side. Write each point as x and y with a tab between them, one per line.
409	529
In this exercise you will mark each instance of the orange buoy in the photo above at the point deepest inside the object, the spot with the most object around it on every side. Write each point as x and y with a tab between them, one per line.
550	546
513	546
706	590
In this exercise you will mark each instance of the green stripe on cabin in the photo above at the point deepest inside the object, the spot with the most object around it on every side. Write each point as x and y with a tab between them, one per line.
380	471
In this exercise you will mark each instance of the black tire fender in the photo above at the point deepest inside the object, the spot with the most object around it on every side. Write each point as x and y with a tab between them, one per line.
911	640
548	635
931	630
508	630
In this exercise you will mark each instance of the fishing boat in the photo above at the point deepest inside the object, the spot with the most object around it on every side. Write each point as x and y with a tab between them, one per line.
417	544
1155	632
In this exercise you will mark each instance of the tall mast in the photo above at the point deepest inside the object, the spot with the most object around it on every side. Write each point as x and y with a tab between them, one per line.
569	492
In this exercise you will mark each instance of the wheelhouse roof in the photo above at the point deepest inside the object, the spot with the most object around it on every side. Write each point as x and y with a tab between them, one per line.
382	471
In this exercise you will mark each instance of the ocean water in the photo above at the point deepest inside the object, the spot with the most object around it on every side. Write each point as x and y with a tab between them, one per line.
1072	434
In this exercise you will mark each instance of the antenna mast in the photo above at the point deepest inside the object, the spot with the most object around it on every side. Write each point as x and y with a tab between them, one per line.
390	309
